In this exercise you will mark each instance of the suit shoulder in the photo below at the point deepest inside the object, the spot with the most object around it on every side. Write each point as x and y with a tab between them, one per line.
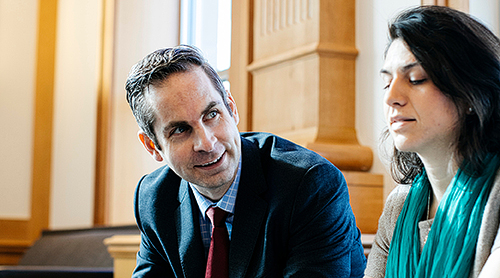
283	150
160	179
156	175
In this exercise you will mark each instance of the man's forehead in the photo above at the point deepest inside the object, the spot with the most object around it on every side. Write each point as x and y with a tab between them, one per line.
182	107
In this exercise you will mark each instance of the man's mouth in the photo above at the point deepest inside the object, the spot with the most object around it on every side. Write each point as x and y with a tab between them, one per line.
211	162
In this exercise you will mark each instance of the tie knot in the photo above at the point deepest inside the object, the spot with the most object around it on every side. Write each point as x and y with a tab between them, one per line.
217	216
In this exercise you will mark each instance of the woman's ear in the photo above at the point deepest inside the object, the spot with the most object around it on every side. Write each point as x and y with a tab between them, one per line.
149	145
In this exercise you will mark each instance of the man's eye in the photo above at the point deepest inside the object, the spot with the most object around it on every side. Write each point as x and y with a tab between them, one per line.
178	130
212	114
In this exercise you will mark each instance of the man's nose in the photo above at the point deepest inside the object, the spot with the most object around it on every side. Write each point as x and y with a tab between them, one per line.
204	140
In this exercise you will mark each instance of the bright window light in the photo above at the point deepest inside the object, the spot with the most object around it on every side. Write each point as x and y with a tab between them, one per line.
206	24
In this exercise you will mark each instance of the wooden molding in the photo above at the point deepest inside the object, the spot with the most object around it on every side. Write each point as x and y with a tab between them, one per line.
461	5
11	251
14	229
104	101
241	56
325	49
44	102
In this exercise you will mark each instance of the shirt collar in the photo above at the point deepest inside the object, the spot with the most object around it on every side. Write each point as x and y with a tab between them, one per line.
226	202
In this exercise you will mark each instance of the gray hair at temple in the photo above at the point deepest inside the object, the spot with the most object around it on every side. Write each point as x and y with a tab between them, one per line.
156	68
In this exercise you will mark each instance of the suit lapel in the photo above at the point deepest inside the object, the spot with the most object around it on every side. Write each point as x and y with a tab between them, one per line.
191	250
250	211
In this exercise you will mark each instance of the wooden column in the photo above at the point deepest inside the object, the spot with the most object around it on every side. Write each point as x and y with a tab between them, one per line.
103	134
302	86
303	69
462	5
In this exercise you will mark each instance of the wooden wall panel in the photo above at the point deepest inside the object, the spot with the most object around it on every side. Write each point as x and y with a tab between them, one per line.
337	99
285	40
16	236
283	25
323	94
291	108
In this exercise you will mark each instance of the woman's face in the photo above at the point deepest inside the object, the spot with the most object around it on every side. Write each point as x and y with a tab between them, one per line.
420	117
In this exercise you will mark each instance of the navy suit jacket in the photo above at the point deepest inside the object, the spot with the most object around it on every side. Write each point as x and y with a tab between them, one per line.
292	218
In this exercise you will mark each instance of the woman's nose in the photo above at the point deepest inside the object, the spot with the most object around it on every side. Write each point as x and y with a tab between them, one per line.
395	94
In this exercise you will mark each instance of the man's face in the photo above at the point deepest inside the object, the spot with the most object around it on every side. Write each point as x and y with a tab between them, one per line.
197	136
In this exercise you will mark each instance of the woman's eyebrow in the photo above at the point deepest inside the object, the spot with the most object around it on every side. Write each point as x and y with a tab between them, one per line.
404	69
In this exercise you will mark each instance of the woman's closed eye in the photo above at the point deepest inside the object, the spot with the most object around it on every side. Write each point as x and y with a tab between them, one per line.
418	81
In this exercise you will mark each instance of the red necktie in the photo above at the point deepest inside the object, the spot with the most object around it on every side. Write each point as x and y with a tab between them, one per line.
218	254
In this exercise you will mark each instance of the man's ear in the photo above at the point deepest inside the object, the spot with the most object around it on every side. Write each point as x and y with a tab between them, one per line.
232	105
149	145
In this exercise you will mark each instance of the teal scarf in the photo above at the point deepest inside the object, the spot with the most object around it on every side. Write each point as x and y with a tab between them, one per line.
451	244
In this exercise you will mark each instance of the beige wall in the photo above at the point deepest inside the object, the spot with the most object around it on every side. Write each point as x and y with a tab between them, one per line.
488	12
75	107
18	22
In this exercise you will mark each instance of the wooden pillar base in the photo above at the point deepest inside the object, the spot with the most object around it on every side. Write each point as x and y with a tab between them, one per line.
366	190
366	195
352	157
123	249
11	251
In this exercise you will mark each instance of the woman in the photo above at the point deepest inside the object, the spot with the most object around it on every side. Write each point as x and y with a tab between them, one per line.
442	106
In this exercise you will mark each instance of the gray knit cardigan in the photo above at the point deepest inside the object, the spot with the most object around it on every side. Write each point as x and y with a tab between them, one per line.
488	241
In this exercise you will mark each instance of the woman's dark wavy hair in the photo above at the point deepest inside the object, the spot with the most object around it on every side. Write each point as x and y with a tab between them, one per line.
461	57
156	68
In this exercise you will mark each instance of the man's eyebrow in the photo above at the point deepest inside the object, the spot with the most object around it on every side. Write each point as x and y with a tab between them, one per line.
403	69
173	125
209	107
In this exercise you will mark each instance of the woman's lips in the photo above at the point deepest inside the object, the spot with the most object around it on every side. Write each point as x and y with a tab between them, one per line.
399	122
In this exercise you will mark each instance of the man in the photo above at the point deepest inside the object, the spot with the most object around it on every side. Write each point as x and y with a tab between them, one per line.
285	209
